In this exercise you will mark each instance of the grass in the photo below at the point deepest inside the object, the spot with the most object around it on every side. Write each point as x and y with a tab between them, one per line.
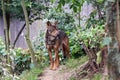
74	63
32	74
72	78
97	76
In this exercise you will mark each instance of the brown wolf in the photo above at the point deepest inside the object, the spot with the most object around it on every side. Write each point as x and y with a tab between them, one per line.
55	40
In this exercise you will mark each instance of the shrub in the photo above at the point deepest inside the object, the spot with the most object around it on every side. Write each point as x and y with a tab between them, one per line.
22	60
40	48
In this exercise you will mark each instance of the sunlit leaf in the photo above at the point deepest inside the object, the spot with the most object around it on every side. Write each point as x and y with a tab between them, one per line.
59	6
100	1
52	1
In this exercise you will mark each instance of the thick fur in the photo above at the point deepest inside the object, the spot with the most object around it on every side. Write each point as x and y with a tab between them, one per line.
55	40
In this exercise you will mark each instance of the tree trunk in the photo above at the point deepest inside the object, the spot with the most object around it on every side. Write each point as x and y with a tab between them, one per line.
27	33
6	31
8	26
104	62
113	51
92	58
118	22
5	27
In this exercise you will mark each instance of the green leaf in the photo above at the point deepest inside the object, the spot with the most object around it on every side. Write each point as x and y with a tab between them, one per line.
73	1
63	2
77	3
71	6
75	9
59	6
99	1
51	1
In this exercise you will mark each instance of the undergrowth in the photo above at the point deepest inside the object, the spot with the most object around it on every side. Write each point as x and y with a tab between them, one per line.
31	74
97	76
74	63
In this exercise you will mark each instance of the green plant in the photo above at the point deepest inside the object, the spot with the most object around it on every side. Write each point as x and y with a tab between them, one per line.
72	78
75	46
65	20
97	76
31	74
74	63
2	47
5	73
92	37
22	60
40	48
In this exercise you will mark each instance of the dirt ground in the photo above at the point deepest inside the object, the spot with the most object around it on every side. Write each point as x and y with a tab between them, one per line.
58	74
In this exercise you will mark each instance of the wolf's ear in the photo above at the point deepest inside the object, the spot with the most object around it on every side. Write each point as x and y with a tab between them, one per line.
56	23
48	23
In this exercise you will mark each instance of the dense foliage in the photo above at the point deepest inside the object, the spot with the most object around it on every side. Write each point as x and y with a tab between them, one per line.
91	34
20	59
35	9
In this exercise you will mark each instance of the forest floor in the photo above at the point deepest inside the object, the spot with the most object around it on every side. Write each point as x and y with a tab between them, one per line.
58	74
70	71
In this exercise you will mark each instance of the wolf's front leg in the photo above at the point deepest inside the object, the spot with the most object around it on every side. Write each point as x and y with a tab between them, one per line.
56	60
51	60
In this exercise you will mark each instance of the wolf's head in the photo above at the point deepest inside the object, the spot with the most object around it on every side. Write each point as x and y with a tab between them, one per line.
51	27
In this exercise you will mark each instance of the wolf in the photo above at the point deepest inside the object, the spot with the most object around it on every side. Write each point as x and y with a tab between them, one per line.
56	40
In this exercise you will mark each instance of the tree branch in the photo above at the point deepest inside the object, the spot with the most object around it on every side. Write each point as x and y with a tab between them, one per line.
14	43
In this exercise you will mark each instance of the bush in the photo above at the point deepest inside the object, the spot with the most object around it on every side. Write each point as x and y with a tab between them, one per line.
2	47
92	37
40	48
65	20
5	73
22	60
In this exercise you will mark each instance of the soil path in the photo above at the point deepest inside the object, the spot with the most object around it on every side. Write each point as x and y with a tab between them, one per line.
58	74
